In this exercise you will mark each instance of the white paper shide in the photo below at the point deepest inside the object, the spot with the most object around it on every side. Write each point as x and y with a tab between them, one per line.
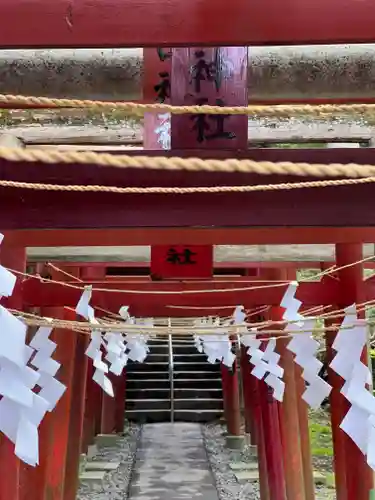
305	347
22	368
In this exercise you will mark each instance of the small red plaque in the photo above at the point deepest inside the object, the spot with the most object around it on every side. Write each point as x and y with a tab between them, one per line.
182	261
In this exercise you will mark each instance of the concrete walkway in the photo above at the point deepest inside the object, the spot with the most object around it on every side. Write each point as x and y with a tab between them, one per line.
171	464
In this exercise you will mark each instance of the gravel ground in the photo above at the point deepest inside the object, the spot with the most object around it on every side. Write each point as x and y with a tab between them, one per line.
116	484
220	458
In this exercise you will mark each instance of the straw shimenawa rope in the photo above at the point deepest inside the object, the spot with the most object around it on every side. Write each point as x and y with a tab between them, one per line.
137	109
51	156
184	190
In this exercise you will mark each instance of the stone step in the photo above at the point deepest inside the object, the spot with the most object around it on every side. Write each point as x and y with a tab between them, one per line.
102	466
195	374
242	466
148	375
248	476
202	366
159	349
184	343
185	381
189	358
148	392
182	338
106	440
197	404
199	393
158	342
146	416
148	366
148	384
199	415
92	477
158	358
148	404
184	349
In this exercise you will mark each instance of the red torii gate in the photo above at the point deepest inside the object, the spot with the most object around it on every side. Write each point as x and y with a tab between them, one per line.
334	215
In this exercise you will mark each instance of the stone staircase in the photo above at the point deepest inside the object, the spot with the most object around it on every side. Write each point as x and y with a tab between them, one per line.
196	384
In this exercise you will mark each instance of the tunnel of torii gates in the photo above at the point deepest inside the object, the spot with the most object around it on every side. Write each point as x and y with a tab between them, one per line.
202	33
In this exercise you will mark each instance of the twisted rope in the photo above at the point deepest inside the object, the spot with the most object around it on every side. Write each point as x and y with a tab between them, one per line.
138	109
301	169
183	190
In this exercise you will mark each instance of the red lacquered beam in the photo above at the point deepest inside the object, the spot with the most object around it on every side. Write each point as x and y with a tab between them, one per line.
103	23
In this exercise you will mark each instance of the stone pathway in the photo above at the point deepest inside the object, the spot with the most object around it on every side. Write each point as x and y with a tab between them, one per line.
171	464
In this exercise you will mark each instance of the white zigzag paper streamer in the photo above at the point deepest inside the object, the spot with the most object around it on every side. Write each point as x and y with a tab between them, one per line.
21	409
137	343
94	351
305	348
266	363
359	422
217	347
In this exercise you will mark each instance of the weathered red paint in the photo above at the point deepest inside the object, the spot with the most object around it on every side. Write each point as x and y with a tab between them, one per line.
99	23
13	257
359	476
60	417
77	411
222	81
156	71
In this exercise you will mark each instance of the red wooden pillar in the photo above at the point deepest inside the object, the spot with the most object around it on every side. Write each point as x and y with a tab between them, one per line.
359	476
303	417
251	387
13	258
216	76
54	430
232	399
94	393
303	420
109	409
338	411
120	396
272	440
246	390
76	415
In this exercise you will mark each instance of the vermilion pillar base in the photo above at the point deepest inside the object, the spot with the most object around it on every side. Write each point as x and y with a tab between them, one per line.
108	420
231	399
